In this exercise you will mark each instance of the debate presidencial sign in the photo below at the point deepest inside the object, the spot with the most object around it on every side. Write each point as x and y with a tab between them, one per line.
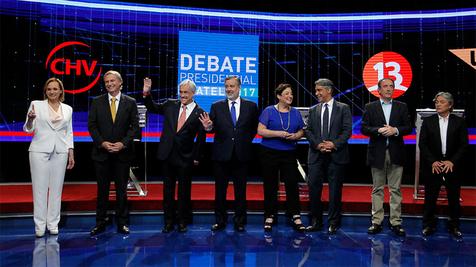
208	58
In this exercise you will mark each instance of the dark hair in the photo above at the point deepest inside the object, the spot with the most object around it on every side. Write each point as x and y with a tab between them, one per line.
60	83
381	80
238	80
324	82
281	87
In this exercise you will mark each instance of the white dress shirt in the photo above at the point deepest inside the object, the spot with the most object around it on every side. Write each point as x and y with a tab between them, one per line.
443	121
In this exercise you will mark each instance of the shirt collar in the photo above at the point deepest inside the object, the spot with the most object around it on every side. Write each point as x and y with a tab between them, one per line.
118	96
237	101
383	102
329	103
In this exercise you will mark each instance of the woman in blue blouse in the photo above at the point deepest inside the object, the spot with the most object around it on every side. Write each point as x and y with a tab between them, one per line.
280	126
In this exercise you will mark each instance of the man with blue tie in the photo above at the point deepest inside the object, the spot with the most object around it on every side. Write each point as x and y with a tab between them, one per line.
386	121
329	126
234	121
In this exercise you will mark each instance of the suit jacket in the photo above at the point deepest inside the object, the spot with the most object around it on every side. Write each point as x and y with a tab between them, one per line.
182	142
340	130
430	140
229	138
123	129
46	136
372	120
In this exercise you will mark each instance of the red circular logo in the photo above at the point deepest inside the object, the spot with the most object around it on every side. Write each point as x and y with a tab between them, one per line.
388	65
73	67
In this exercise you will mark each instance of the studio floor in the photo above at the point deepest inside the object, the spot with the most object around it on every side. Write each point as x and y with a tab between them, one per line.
147	246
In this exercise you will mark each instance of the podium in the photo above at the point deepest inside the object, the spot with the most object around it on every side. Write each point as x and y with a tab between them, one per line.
419	190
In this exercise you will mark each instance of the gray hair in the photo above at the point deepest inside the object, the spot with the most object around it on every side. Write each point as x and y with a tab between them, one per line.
324	82
446	95
238	80
115	73
190	84
388	79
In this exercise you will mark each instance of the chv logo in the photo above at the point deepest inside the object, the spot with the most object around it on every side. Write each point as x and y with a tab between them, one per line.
388	65
70	65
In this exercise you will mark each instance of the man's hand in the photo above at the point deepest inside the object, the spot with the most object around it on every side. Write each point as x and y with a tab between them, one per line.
206	122
447	166
387	130
147	85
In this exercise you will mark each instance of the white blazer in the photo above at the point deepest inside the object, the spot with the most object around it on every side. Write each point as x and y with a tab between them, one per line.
46	137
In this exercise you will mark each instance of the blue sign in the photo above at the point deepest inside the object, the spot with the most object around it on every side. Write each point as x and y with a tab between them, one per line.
208	58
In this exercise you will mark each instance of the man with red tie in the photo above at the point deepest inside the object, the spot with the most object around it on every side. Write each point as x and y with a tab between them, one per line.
177	150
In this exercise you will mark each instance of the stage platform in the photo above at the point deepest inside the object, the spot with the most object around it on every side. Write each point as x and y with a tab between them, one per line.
81	197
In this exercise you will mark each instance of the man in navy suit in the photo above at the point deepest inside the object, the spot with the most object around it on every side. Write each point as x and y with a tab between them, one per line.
177	150
443	143
329	126
386	121
112	124
234	121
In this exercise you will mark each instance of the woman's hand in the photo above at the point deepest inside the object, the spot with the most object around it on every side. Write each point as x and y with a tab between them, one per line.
70	159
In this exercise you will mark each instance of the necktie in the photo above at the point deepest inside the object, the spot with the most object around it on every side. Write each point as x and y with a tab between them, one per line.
325	123
182	118
113	108
233	112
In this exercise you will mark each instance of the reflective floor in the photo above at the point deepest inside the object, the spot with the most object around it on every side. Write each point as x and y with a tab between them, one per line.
147	246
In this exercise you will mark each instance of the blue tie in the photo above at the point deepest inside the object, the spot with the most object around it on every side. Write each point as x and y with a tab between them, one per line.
233	112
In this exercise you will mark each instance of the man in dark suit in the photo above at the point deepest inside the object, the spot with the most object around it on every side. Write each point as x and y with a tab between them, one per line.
234	121
443	142
329	126
177	151
386	121
112	124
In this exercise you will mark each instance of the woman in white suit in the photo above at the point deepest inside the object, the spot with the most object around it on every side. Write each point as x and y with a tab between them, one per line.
51	152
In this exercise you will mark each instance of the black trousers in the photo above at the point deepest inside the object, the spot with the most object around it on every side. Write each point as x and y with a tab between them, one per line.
276	165
433	184
237	171
318	171
177	172
109	170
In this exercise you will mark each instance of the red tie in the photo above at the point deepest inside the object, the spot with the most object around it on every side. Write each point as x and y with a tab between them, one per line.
182	118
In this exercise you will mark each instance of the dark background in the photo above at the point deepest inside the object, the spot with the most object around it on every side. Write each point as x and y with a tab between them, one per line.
139	45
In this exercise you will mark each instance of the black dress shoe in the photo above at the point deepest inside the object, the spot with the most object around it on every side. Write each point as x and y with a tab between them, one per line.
218	226
455	232
316	226
427	231
99	228
332	229
168	228
398	230
182	228
374	229
239	227
123	229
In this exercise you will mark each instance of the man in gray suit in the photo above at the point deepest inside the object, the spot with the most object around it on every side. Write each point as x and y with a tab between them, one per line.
329	126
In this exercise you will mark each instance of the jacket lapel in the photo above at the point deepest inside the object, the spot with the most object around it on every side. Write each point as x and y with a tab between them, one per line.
175	115
335	109
380	113
318	118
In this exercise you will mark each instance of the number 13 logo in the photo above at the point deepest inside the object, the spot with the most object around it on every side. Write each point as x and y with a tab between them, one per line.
387	65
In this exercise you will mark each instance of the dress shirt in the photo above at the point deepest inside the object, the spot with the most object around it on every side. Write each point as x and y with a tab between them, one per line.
443	121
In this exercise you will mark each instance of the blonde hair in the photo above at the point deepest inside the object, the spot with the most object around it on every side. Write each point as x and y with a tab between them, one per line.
60	83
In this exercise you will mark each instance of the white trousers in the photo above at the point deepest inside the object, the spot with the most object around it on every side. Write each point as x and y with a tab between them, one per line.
47	177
